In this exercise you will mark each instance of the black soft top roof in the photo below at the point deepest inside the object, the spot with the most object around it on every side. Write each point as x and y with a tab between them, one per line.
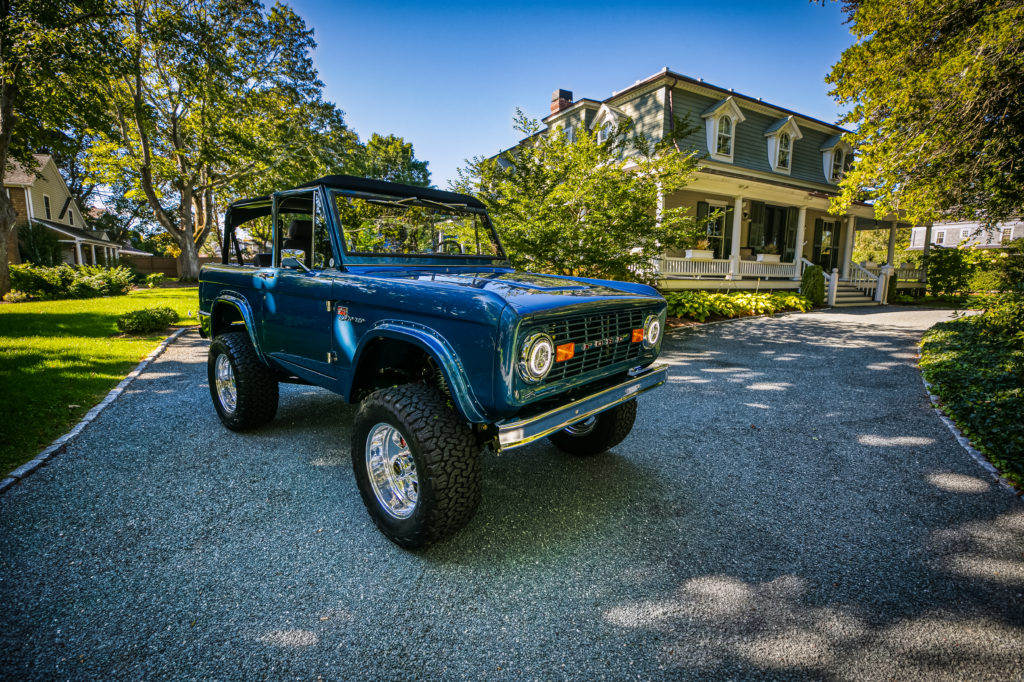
247	209
354	183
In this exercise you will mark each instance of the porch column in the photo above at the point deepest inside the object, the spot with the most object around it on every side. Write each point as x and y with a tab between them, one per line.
892	245
927	248
851	232
78	252
92	254
737	223
798	253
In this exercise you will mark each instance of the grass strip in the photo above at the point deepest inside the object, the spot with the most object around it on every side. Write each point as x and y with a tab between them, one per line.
59	358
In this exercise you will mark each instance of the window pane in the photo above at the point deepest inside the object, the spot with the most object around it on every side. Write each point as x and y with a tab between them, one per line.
783	158
724	145
725	125
406	226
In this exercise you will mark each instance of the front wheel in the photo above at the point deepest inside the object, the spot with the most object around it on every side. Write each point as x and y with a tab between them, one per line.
244	390
598	433
417	464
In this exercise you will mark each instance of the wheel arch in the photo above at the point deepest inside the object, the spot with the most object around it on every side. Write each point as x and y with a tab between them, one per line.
391	335
227	311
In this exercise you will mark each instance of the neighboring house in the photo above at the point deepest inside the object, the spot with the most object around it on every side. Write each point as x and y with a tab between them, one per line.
973	234
769	170
42	197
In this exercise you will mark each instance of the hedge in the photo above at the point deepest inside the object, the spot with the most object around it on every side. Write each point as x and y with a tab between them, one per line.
66	281
700	305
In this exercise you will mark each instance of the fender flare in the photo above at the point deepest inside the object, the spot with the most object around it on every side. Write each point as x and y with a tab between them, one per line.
438	348
238	302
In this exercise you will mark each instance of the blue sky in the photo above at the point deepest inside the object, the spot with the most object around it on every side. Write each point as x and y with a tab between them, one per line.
448	76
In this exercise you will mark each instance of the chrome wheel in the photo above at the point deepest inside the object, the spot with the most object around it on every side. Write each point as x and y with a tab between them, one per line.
227	392
392	471
581	428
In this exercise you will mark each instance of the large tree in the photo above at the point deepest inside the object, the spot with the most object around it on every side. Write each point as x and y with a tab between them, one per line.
936	90
215	94
388	157
52	56
582	206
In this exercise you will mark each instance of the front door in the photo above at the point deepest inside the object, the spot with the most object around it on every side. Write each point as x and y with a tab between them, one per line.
298	303
826	247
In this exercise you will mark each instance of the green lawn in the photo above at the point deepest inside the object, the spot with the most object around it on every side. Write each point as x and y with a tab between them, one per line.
59	358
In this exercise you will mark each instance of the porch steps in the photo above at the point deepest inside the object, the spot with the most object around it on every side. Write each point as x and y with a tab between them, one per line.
848	295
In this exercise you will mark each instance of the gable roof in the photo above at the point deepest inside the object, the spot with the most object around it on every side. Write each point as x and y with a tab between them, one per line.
97	237
18	174
783	124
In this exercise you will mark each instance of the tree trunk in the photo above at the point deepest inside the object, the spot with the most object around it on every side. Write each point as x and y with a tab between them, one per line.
188	261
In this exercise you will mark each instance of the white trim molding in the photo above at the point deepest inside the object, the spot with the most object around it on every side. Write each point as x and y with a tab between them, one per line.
782	137
605	120
713	117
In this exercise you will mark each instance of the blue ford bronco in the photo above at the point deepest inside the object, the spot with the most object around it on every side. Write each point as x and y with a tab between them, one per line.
401	299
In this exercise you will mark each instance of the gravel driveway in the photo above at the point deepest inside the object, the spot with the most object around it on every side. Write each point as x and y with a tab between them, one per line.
789	506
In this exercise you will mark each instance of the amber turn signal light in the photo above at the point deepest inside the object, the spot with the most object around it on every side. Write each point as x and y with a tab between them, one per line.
565	352
638	336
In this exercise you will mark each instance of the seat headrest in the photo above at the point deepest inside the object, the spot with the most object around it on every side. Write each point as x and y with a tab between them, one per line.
300	229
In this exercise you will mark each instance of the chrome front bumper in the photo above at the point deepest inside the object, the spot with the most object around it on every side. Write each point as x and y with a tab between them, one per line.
514	433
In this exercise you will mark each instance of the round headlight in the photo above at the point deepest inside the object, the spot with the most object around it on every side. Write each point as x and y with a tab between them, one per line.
652	331
537	357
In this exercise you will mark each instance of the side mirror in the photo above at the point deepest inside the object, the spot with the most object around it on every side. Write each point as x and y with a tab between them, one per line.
294	263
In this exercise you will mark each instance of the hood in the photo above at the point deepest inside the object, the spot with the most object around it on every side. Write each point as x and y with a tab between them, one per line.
524	291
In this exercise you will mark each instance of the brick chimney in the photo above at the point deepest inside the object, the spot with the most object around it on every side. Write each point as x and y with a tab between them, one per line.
560	99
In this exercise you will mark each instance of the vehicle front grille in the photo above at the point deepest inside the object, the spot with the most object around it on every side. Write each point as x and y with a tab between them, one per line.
601	339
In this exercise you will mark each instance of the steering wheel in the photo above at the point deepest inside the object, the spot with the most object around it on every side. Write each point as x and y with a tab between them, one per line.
445	246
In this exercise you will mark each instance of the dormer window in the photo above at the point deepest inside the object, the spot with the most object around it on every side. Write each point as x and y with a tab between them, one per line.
720	123
724	145
838	158
606	121
835	157
604	132
782	135
785	148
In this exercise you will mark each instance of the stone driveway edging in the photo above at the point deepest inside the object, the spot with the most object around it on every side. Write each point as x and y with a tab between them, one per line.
965	442
56	446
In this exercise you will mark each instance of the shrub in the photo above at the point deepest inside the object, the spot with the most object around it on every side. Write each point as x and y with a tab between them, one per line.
949	272
154	279
15	297
812	285
700	305
146	320
65	281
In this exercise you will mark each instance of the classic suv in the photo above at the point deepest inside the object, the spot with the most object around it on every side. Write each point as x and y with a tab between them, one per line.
401	298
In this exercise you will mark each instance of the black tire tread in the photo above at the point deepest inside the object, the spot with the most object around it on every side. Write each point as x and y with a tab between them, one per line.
611	429
446	445
256	383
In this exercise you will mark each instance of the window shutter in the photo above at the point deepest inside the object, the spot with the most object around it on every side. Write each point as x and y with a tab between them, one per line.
789	244
702	209
819	229
755	233
727	232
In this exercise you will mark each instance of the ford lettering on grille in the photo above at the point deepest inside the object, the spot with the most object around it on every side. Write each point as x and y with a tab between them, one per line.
580	347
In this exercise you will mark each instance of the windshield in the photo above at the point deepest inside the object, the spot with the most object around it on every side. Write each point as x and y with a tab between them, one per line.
386	226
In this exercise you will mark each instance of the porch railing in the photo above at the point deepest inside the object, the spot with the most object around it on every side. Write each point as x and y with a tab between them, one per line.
719	267
862	278
688	267
750	268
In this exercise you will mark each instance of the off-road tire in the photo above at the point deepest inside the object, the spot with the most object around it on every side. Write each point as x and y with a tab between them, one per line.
255	384
609	429
445	453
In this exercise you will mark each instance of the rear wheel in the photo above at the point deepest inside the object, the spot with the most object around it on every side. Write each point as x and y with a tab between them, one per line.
244	390
598	433
417	464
